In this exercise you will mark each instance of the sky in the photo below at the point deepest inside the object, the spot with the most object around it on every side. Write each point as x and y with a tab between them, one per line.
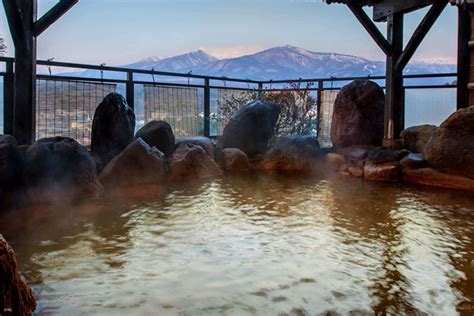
117	32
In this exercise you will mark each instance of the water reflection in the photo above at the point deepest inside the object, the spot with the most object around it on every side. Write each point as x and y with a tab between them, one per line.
253	245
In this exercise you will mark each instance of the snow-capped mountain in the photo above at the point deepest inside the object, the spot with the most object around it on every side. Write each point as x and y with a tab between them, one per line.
180	63
285	62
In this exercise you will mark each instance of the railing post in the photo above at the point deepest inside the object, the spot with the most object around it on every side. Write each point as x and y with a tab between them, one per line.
130	90
259	91
8	98
207	108
319	105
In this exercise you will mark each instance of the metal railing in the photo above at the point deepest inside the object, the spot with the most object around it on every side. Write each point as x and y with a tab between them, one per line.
66	101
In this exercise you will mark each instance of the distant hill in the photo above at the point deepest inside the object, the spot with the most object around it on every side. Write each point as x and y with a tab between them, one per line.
285	62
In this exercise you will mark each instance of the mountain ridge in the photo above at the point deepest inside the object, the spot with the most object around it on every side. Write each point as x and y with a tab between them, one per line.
283	62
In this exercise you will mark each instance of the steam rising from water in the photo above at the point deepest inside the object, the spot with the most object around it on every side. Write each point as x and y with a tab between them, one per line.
254	246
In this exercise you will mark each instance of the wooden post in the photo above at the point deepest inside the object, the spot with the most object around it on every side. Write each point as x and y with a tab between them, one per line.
21	19
464	36
394	102
130	90
24	28
8	98
259	91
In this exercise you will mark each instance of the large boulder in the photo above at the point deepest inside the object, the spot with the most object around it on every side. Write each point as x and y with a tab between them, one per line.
235	160
451	148
138	164
416	137
112	128
292	154
358	117
11	164
251	128
192	162
204	142
59	168
16	297
158	134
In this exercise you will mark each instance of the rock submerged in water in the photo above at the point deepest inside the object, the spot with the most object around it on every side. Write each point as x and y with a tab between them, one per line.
292	154
437	178
192	162
451	147
158	134
112	128
16	297
59	168
138	164
385	172
358	117
251	128
415	138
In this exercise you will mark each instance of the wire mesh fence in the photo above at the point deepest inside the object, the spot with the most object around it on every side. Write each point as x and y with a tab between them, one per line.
428	106
66	107
328	98
179	106
228	101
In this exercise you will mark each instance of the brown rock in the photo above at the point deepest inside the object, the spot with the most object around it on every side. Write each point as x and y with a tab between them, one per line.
138	164
358	117
16	297
356	169
451	148
192	162
335	161
415	138
235	161
204	142
437	178
386	172
292	154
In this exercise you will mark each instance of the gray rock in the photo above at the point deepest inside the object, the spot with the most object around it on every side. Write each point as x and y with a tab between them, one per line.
251	128
292	154
59	168
204	142
415	138
158	134
112	128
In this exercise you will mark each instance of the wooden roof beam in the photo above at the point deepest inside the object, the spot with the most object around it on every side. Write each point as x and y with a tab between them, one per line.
367	23
16	21
53	15
421	32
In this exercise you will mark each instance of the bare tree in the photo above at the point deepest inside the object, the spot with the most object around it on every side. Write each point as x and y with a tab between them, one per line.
3	47
298	108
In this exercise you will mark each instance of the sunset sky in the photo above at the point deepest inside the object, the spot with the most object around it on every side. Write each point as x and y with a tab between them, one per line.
123	31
